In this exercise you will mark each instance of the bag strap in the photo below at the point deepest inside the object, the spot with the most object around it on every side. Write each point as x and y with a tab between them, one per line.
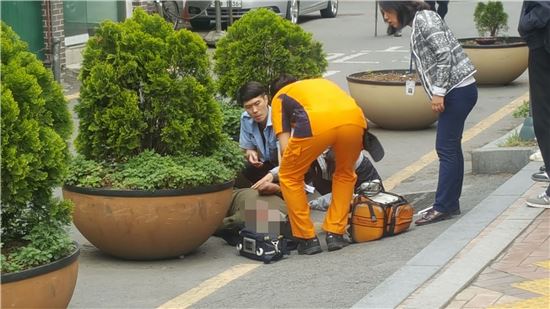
372	214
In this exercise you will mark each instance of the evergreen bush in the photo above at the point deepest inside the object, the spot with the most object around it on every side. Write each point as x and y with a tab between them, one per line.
146	88
231	119
35	127
490	18
260	46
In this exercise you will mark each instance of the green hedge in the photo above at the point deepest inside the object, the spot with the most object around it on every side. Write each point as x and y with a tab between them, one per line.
144	87
260	46
35	127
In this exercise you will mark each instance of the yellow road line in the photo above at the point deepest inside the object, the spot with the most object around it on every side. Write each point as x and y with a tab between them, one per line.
208	287
72	96
431	156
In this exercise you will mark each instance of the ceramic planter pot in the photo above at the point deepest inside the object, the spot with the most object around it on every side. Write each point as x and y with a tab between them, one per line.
147	225
386	104
46	286
500	63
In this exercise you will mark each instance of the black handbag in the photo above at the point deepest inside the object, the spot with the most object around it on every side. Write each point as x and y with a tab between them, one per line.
262	246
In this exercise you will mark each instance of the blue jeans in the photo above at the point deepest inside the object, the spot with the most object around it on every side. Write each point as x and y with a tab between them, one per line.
458	104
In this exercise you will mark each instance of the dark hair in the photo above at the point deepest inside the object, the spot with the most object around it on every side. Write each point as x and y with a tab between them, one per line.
249	91
405	9
280	82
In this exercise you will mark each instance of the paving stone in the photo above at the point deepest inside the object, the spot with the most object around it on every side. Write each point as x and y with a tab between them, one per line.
520	293
456	304
470	292
498	281
489	274
506	299
483	300
532	260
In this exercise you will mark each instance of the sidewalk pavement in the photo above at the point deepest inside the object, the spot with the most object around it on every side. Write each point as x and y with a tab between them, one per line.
495	256
520	276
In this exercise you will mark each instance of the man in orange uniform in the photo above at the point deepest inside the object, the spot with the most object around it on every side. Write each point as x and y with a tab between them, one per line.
309	116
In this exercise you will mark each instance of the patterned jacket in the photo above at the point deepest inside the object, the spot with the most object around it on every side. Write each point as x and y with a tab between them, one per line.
440	60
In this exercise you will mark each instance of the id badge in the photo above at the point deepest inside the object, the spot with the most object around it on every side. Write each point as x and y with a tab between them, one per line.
410	85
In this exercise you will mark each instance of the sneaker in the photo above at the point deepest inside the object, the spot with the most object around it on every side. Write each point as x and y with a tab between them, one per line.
541	201
540	176
309	246
542	168
335	241
397	33
318	205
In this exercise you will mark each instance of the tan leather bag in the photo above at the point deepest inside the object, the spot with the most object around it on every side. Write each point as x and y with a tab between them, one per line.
374	217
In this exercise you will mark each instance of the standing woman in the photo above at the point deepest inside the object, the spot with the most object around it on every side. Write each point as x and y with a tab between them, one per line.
447	76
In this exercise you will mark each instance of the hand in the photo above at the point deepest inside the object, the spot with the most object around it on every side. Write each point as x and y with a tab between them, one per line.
269	188
438	105
252	158
268	178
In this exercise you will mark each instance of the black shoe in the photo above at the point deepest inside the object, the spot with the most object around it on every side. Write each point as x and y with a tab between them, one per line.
335	241
540	176
542	168
432	216
309	246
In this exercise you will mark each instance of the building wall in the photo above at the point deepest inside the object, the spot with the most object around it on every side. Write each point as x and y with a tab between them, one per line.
54	29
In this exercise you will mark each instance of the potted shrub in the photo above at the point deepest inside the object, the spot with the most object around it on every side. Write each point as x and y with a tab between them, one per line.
37	253
381	95
154	174
490	18
260	46
498	60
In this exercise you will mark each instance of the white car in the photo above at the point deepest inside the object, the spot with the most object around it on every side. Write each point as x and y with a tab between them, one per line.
203	13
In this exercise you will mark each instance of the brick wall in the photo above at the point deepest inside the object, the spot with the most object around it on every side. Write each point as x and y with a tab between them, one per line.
54	27
147	5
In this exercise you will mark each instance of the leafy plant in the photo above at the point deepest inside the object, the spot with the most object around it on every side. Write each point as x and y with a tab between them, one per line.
522	111
147	99
35	127
260	46
514	140
151	171
231	119
490	17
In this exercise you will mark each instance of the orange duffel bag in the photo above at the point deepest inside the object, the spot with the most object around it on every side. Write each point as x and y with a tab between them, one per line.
384	214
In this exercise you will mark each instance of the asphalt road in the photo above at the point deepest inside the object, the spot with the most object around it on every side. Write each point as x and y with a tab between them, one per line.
336	279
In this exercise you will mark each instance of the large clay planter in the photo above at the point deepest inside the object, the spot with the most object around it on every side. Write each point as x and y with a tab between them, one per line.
46	286
497	64
147	225
386	104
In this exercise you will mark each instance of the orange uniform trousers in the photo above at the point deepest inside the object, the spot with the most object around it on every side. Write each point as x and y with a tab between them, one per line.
346	142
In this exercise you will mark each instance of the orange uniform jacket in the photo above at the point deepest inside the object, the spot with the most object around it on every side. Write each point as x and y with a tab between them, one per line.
314	107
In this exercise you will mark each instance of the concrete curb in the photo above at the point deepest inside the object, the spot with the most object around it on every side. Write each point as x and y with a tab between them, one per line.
434	257
493	159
